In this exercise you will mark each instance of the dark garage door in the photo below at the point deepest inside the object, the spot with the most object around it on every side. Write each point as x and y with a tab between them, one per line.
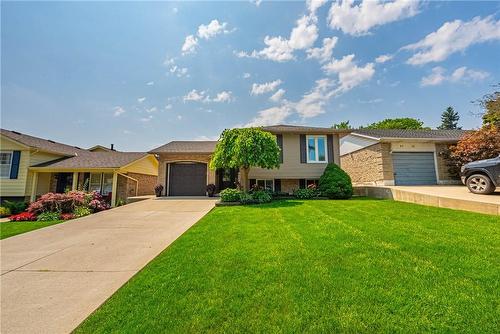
414	168
187	179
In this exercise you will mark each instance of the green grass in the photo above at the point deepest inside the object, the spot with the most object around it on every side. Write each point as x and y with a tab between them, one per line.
319	267
10	229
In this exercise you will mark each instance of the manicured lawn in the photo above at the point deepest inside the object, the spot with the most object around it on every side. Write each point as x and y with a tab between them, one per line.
9	229
318	266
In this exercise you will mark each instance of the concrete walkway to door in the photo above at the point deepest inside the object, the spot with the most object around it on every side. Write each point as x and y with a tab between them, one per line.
54	277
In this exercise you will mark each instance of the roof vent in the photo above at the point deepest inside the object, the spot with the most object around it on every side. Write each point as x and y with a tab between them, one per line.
17	133
77	147
51	141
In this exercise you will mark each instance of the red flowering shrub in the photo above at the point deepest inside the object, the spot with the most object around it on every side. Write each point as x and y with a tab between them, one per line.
67	216
66	203
23	216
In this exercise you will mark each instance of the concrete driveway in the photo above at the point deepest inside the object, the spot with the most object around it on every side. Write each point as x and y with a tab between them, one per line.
53	278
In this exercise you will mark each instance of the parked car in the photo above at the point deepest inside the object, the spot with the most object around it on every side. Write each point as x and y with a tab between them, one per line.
482	176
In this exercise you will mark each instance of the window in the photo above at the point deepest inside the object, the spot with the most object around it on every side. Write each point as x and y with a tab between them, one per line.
5	164
266	184
311	182
95	182
107	184
316	149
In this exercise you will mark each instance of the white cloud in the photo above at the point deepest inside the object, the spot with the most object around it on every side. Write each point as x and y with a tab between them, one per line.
147	118
179	117
205	138
246	75
168	107
304	34
190	44
314	5
194	95
278	96
383	58
169	61
357	19
179	71
175	10
372	101
256	2
117	111
224	96
349	74
271	116
324	53
313	103
451	37
277	49
258	89
141	99
212	29
151	83
151	110
461	74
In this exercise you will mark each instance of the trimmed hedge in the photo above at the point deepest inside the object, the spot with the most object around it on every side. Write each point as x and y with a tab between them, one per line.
335	183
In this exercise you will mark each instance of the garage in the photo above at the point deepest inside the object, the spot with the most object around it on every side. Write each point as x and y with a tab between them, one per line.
414	168
187	179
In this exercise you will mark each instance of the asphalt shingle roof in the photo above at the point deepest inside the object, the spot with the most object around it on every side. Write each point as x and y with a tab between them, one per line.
95	160
283	128
382	134
186	147
42	144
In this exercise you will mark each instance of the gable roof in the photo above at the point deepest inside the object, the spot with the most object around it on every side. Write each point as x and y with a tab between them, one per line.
100	147
284	128
43	144
394	134
193	146
95	160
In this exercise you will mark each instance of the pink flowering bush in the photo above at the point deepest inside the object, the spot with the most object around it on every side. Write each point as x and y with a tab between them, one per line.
67	216
68	202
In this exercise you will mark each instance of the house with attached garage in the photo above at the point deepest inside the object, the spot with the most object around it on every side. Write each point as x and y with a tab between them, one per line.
32	166
305	152
398	157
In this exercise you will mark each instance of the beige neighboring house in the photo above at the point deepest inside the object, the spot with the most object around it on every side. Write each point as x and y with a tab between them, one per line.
32	166
184	171
398	157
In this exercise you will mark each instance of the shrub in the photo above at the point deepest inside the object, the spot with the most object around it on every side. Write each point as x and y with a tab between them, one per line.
66	203
230	195
335	183
15	207
67	216
81	211
261	196
23	216
48	216
247	198
4	212
310	192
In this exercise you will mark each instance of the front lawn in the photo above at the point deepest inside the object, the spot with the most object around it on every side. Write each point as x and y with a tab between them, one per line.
9	229
319	266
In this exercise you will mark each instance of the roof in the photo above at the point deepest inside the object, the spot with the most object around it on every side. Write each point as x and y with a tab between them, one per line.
187	147
95	160
42	144
394	134
283	128
100	147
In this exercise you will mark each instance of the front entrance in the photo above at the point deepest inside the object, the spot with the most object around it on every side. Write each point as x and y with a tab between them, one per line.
187	179
64	182
226	178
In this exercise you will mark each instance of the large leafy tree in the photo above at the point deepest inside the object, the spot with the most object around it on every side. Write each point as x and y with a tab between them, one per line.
397	123
342	125
449	119
245	148
490	103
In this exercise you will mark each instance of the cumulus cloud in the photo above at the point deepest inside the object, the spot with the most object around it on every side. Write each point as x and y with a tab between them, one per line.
168	107
117	111
190	45
462	74
270	116
357	19
256	2
451	37
194	95
258	89
305	33
151	110
246	75
324	53
224	96
151	83
278	96
141	99
212	29
313	103
169	61
349	74
314	5
179	71
146	119
383	58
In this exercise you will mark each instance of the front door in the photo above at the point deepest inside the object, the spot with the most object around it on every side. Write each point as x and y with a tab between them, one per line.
226	178
64	182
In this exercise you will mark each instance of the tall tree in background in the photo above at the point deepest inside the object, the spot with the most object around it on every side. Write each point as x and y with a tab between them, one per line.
342	125
490	103
245	148
397	123
449	119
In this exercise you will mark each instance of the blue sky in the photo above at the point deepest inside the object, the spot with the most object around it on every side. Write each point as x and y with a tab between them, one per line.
141	74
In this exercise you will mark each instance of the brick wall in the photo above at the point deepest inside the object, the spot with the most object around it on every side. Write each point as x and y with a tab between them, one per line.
370	165
146	183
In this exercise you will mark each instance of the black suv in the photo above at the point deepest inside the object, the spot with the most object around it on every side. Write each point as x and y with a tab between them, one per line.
482	176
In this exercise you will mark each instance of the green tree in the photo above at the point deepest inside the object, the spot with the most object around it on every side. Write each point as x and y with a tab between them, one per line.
490	103
245	148
397	123
342	125
449	119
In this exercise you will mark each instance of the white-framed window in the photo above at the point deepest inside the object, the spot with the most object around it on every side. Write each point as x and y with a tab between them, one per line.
265	184
95	182
107	184
5	164
316	149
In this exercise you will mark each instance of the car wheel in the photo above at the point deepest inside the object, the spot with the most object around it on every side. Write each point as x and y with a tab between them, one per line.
480	184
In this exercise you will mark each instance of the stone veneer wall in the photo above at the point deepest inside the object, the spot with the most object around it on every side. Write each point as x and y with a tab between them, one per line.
146	183
370	165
